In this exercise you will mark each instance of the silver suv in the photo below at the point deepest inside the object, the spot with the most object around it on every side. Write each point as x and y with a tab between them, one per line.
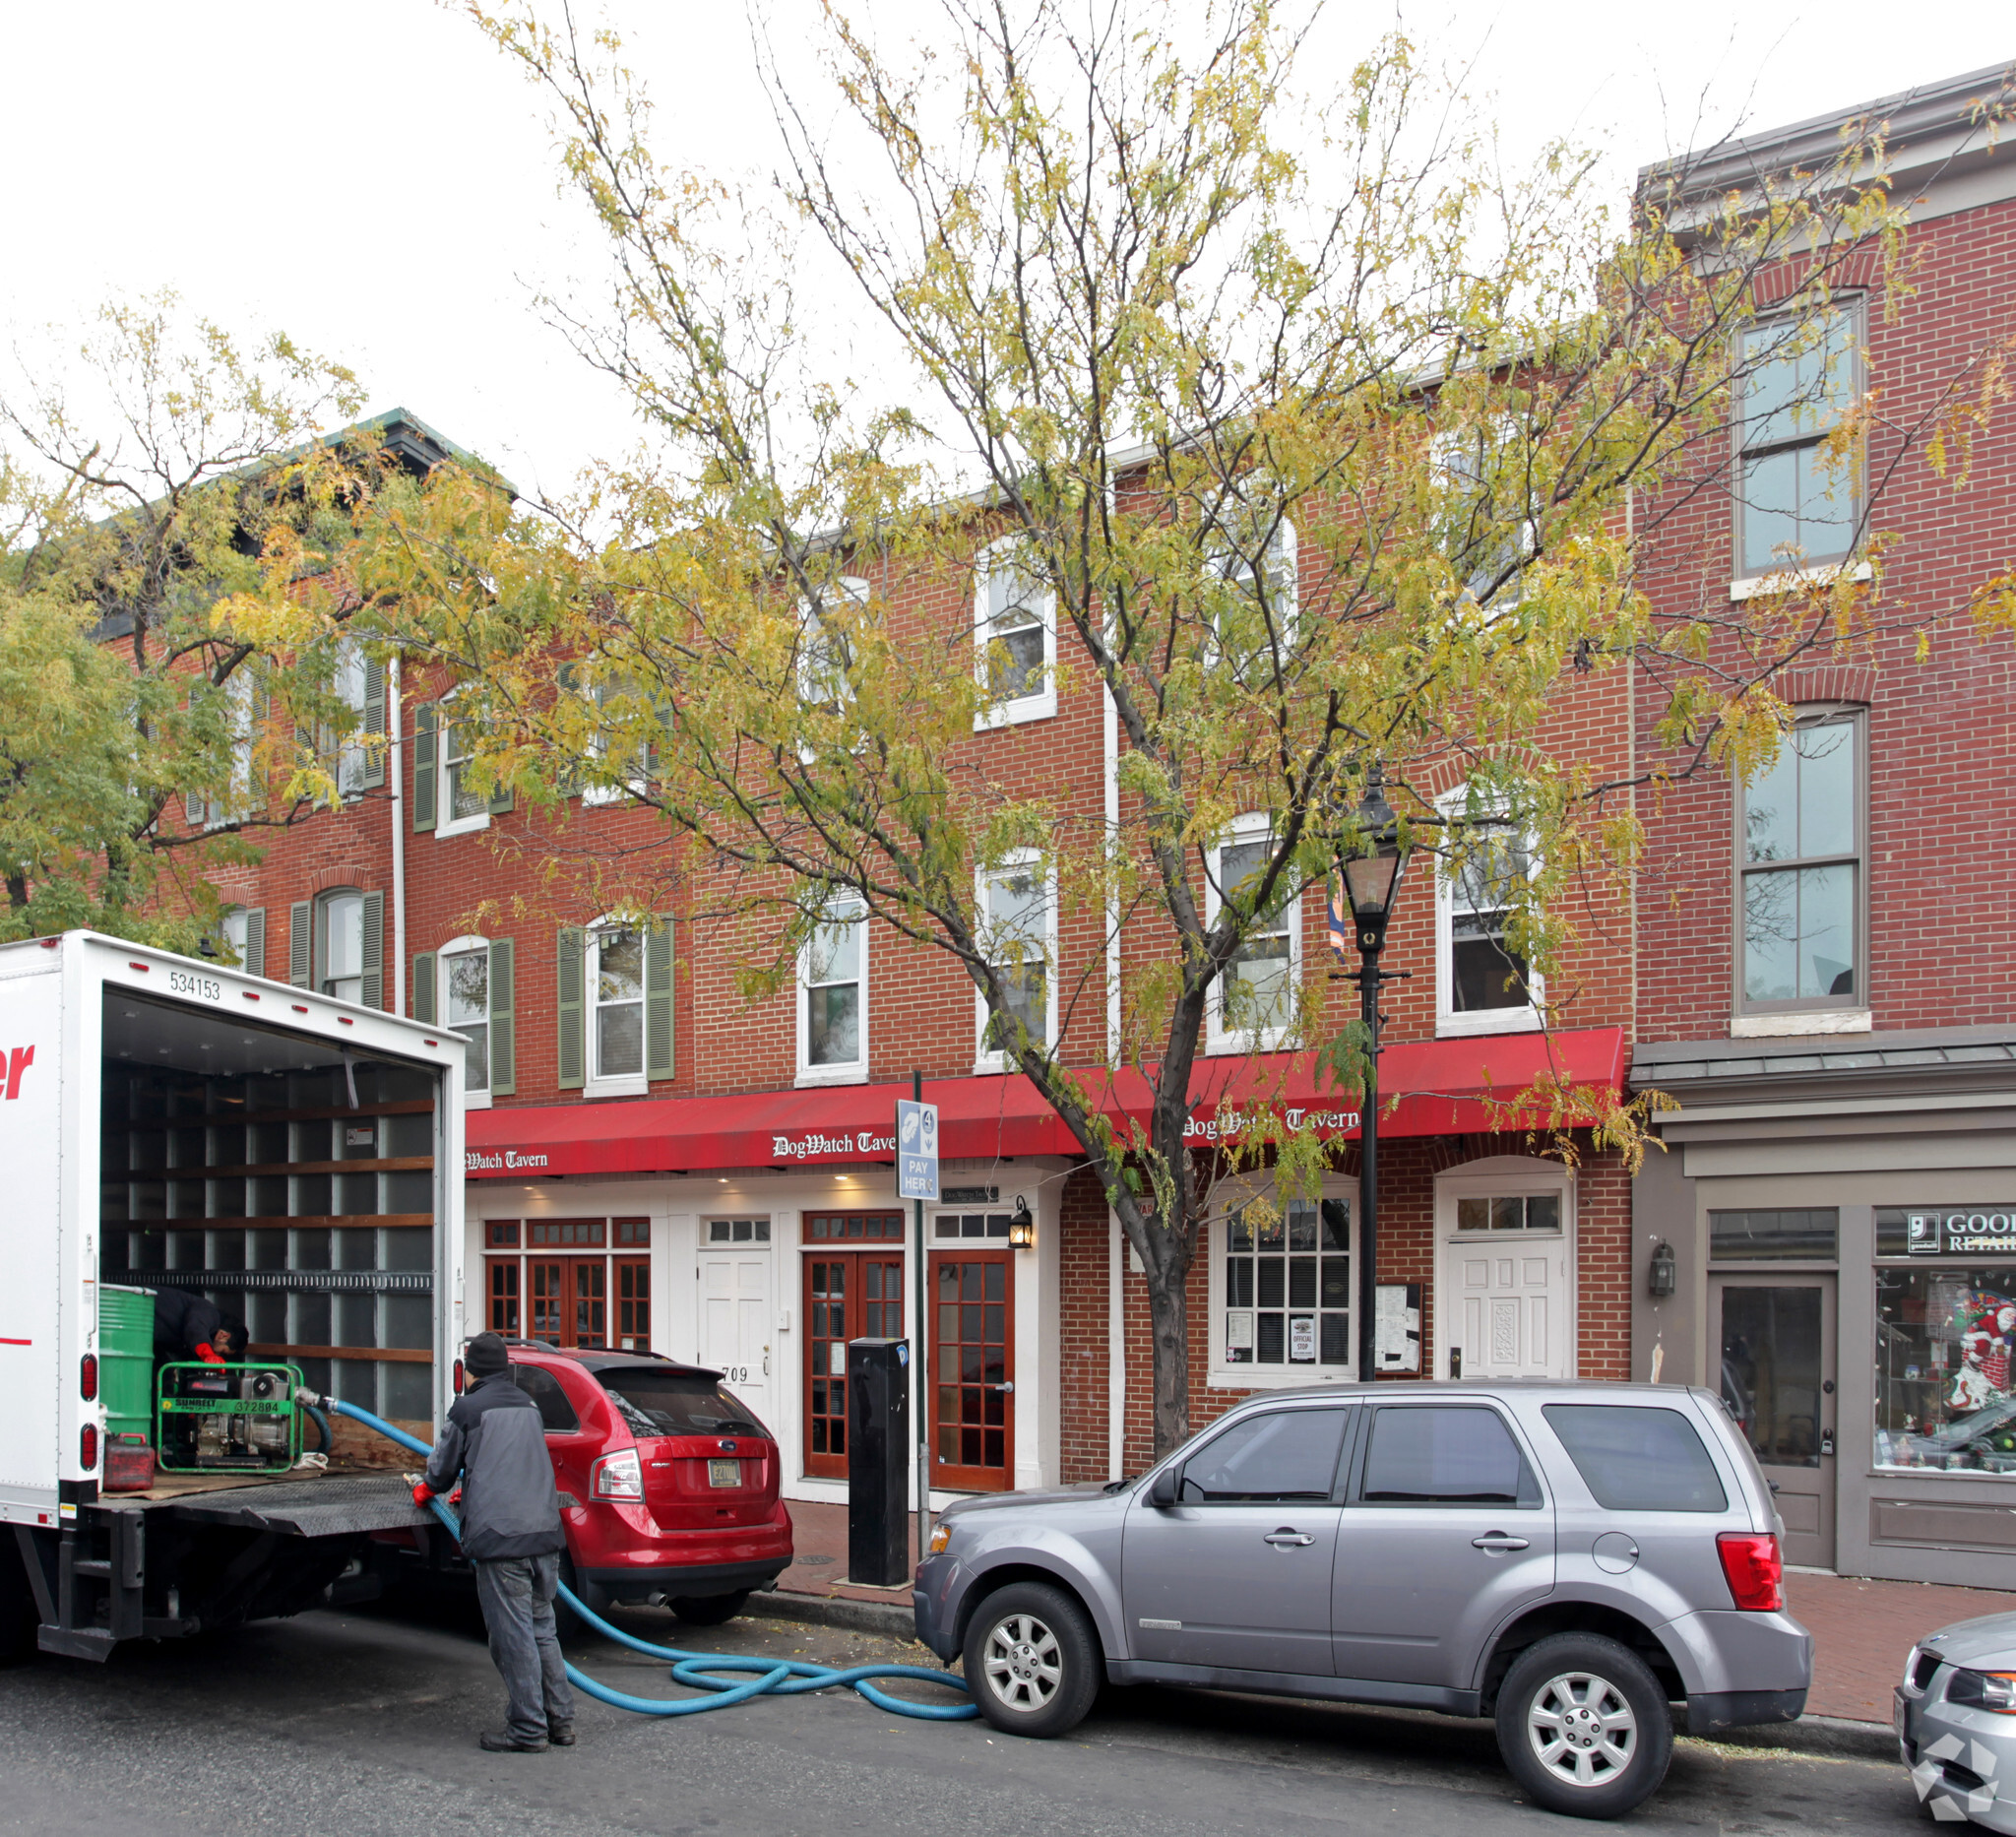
1567	1559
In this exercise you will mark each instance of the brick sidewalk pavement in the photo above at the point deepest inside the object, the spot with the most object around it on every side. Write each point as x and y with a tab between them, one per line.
1861	1629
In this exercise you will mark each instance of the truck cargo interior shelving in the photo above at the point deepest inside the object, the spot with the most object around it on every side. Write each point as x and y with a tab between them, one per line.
174	1126
289	1181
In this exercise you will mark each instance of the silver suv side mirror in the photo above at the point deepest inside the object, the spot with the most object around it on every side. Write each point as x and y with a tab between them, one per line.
1161	1491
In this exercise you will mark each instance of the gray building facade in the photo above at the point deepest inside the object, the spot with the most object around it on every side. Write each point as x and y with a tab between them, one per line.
1833	1222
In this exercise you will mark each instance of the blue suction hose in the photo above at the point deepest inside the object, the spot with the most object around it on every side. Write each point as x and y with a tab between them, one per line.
698	1669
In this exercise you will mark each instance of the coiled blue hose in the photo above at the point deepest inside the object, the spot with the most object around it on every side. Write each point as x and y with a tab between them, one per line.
696	1669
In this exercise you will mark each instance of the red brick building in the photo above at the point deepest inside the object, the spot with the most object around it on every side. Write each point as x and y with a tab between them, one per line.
1827	967
654	1162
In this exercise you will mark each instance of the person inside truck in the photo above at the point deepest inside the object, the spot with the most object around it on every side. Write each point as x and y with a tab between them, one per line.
495	1442
187	1326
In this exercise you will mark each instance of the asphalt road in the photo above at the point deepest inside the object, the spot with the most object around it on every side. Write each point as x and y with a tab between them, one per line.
351	1724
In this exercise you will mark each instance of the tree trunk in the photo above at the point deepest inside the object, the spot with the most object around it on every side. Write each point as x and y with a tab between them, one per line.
1169	1323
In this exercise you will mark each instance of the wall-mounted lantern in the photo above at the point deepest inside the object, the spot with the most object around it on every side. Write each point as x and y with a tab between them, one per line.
1022	1227
1662	1275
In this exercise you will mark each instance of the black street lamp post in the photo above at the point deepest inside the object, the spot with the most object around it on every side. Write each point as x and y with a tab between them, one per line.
1370	882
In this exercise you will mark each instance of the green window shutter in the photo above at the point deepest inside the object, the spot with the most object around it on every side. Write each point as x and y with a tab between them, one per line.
194	809
572	1052
500	799
374	722
373	995
503	1024
424	976
426	772
658	1000
302	943
255	940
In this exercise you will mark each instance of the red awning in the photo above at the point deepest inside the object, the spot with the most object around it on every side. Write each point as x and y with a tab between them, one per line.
1443	1087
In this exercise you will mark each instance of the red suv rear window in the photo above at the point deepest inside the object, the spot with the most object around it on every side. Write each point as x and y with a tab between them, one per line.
657	1402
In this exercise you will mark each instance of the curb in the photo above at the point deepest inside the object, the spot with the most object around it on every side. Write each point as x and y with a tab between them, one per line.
1834	1736
859	1616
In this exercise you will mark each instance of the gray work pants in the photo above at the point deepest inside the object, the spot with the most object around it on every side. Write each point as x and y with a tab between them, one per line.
517	1593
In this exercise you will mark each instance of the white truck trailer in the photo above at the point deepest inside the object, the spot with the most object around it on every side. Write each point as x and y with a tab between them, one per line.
168	1123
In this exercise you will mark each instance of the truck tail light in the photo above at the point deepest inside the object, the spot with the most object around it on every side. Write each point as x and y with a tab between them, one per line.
618	1476
88	1378
458	1377
87	1448
1751	1564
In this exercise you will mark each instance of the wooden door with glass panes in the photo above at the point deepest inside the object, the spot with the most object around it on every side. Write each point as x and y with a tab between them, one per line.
849	1295
973	1370
568	1299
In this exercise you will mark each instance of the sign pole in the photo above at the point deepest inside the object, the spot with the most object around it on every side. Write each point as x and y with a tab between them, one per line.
916	1161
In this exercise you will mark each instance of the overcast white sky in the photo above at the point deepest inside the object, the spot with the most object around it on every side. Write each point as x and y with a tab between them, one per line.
375	180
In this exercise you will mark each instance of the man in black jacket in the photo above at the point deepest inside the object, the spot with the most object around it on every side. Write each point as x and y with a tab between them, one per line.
511	1533
188	1326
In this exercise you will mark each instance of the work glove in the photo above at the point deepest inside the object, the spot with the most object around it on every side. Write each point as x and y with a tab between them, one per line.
209	1354
455	1498
423	1495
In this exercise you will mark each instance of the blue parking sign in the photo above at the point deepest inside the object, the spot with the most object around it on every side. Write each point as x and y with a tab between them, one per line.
916	1150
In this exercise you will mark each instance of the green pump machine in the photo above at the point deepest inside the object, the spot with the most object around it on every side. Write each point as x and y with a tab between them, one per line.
227	1417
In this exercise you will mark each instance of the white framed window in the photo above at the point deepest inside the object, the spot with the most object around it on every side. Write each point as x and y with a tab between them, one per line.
1283	1288
465	1005
635	770
1252	1004
340	944
1018	935
1482	985
240	716
615	1011
463	807
1015	639
826	657
833	995
1253	553
244	933
1482	528
353	759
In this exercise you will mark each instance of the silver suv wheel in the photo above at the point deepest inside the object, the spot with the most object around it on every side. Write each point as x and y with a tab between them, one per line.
1032	1659
1583	1725
1581	1729
1020	1662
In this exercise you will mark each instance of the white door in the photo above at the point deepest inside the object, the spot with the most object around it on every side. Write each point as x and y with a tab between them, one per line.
735	1322
1506	1307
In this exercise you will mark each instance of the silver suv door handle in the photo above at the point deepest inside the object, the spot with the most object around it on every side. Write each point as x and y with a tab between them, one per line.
1284	1536
1498	1543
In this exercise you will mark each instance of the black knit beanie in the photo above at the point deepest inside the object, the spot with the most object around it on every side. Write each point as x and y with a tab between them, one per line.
486	1356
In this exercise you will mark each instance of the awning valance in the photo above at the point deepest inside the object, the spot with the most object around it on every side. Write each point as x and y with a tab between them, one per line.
1442	1086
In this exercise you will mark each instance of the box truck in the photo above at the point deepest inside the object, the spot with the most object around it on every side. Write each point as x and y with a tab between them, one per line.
171	1124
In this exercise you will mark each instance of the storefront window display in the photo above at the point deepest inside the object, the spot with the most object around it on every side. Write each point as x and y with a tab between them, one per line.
1946	1367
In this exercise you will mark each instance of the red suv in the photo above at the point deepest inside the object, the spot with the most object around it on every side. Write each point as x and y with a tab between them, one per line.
669	1485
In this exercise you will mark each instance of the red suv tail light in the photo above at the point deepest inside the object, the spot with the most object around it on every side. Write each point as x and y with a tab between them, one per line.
618	1476
1751	1564
88	1378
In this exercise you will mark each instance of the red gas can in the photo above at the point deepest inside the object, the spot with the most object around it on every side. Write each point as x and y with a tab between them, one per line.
129	1464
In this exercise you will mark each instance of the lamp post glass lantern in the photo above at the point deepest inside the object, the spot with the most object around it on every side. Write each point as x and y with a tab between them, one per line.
1371	882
